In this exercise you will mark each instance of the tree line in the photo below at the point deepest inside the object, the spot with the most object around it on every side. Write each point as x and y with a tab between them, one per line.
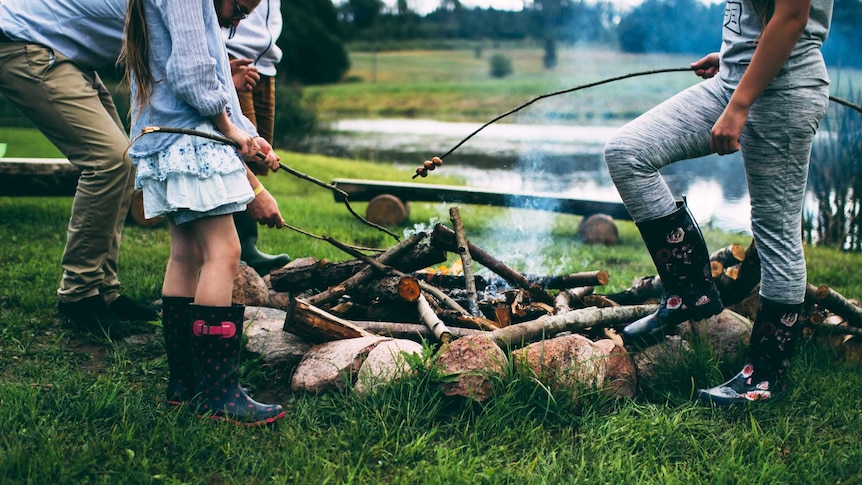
316	32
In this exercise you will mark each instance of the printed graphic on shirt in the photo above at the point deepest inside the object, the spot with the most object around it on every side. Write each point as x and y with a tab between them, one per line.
732	14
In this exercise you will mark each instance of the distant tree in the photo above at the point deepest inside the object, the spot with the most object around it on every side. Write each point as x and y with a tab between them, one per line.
314	51
845	36
676	26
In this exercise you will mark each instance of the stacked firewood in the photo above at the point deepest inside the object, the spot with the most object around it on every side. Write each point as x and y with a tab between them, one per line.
396	294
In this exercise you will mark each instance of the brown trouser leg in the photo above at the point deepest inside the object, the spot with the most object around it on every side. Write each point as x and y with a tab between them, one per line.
75	111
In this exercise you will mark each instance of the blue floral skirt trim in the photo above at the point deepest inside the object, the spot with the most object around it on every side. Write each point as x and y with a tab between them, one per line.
193	174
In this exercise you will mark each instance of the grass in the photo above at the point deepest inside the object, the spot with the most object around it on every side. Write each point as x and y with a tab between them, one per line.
74	410
455	85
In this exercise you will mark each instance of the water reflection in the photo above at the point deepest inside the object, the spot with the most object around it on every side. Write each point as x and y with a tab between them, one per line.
560	160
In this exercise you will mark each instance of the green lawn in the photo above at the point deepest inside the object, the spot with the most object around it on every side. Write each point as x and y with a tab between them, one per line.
455	85
77	411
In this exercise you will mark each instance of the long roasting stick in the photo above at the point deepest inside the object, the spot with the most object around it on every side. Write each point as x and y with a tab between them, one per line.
437	161
227	141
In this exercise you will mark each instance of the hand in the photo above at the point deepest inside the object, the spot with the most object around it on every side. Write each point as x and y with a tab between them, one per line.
724	136
270	159
247	145
707	66
264	210
244	75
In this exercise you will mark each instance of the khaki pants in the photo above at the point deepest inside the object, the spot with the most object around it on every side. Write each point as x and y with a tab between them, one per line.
75	111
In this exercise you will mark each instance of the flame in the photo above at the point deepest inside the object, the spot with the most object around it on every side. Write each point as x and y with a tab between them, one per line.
455	269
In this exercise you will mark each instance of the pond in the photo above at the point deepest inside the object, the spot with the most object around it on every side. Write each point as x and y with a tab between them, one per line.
553	159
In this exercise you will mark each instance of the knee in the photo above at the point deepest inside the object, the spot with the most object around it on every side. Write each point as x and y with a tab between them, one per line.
621	158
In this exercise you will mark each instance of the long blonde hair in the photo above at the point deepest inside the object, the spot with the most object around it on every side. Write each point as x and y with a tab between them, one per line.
134	54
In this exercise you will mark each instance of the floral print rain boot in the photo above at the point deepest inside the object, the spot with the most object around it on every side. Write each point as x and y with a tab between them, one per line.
773	339
682	261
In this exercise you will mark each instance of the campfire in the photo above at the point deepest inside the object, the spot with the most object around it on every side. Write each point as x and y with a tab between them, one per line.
412	292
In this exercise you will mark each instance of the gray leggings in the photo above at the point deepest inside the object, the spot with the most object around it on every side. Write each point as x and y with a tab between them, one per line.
776	146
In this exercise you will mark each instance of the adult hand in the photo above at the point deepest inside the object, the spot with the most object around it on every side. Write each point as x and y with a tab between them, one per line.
724	137
264	210
707	66
244	75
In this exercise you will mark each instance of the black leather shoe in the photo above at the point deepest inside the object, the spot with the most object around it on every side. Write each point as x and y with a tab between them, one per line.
92	315
129	311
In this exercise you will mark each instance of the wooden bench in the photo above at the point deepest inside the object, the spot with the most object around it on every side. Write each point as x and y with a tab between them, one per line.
54	177
388	200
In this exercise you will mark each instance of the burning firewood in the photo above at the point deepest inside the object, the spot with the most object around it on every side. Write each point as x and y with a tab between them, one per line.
445	237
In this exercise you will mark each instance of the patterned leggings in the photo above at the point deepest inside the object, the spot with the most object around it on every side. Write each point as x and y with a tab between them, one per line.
776	146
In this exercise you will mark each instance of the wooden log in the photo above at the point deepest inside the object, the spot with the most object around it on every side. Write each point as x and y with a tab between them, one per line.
445	237
361	190
573	280
316	325
342	288
838	304
410	331
136	212
736	285
388	210
571	299
518	335
378	266
392	288
730	255
38	177
432	321
466	260
455	319
643	289
319	275
716	268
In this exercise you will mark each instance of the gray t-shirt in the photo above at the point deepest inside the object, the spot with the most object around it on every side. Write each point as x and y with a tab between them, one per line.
804	67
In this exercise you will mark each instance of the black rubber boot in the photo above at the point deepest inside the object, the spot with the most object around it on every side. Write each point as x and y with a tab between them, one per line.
682	261
216	342
246	228
177	332
776	329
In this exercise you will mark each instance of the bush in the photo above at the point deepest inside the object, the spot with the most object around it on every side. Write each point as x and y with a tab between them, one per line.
295	116
501	66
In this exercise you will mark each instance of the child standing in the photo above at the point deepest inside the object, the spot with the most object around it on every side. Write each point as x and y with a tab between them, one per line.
765	94
179	75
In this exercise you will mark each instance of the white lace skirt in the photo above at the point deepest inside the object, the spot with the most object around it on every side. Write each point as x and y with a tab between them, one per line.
194	173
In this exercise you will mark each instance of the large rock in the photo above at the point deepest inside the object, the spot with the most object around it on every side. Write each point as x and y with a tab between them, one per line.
649	362
277	348
473	360
728	334
333	365
249	288
575	361
385	364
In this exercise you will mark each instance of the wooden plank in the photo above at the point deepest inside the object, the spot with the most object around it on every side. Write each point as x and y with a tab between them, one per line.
37	177
359	190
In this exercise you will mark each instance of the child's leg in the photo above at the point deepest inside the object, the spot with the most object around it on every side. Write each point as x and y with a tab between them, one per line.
220	249
677	129
776	146
184	265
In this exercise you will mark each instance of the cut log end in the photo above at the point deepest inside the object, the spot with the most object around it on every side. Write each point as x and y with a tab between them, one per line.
387	210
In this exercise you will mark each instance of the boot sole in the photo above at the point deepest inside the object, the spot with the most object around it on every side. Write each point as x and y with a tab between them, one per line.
248	424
